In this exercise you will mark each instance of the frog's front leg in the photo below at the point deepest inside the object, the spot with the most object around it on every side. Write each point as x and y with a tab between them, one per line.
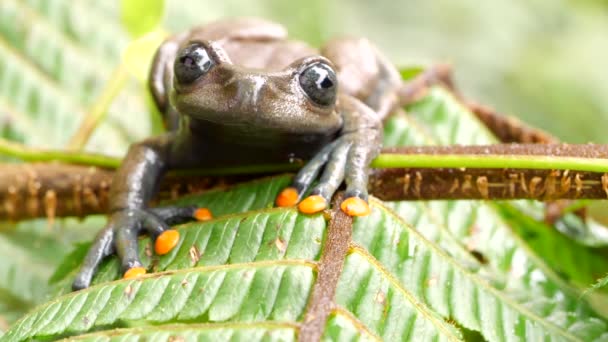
346	159
133	186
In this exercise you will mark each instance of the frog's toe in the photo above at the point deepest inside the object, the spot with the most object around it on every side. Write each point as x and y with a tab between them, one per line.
332	177
356	177
101	248
121	236
172	215
166	241
313	204
288	197
202	214
157	224
355	206
134	272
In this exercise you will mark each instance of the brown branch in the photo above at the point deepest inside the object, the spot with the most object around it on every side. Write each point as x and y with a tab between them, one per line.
33	190
507	128
321	302
494	184
58	190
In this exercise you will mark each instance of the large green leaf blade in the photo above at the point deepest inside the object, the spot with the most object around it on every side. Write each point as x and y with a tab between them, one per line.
251	267
479	227
454	290
53	70
254	332
180	296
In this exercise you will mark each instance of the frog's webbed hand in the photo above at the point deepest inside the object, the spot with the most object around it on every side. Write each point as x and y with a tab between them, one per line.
346	159
133	186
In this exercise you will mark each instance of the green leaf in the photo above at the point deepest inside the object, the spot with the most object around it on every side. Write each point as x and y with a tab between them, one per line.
418	270
248	196
392	275
141	16
213	293
578	264
441	119
29	252
456	291
389	275
601	283
253	332
52	71
408	73
250	267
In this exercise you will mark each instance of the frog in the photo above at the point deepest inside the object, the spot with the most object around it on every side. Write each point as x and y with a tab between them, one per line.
239	92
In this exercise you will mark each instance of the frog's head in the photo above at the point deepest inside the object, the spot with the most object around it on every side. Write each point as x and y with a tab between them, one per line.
300	98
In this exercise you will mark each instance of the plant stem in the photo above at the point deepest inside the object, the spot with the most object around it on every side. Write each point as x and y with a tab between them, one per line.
20	151
584	157
99	109
56	190
489	162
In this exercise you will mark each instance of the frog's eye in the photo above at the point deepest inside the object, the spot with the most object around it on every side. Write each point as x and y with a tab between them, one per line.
192	62
320	83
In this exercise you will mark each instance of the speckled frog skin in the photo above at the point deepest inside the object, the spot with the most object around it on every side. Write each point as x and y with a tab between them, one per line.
239	92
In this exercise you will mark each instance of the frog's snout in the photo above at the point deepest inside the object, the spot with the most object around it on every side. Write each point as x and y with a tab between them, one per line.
249	91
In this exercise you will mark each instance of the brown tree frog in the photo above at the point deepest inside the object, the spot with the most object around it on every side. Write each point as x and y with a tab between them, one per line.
239	92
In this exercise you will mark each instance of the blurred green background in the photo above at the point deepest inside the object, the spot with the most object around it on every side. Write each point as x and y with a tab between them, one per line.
542	60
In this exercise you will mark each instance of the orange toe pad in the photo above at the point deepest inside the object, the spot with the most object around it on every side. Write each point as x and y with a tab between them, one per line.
355	206
203	214
134	272
287	198
312	204
166	241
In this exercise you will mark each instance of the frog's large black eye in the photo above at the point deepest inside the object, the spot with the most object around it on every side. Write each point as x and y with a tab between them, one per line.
191	63
320	83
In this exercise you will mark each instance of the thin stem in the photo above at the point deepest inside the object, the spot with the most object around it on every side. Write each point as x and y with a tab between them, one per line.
584	157
31	154
390	160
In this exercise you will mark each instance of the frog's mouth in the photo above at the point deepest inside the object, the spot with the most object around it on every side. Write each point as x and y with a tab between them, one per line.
244	134
270	115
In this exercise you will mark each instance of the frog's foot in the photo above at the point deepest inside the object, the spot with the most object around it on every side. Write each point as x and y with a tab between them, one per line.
343	160
121	234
